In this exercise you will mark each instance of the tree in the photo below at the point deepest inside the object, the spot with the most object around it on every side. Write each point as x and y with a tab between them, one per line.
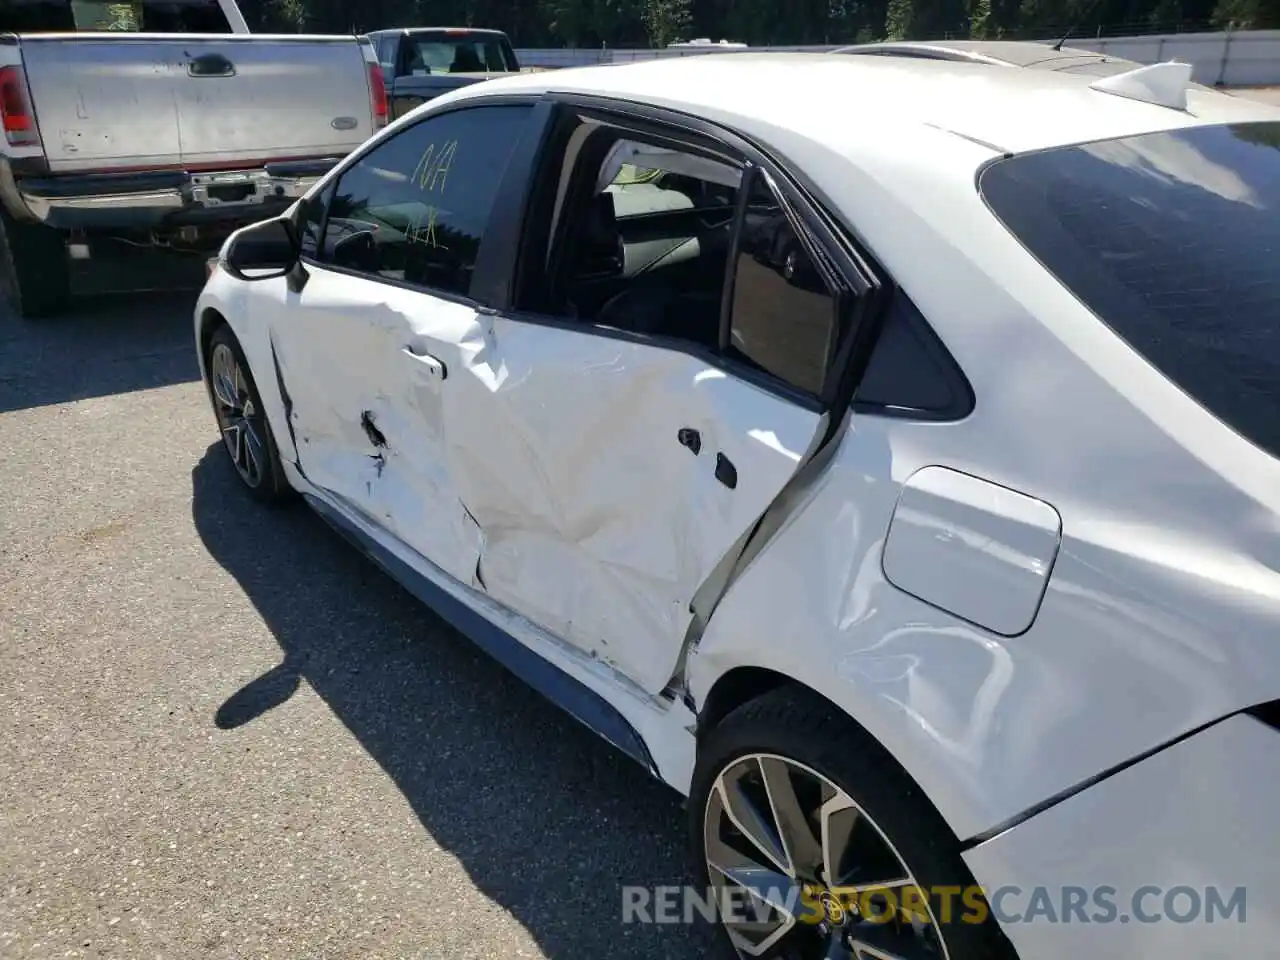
656	23
667	20
926	19
593	23
1247	14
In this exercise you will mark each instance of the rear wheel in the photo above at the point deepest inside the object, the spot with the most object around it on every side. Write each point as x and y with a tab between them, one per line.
242	420
35	271
818	846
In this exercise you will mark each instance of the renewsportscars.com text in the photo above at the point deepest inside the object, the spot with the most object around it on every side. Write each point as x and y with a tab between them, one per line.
1008	905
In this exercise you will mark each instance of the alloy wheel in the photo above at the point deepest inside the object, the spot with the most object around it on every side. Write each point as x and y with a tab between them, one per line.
239	418
809	875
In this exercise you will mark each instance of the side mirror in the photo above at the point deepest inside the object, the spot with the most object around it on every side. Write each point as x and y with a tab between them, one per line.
264	251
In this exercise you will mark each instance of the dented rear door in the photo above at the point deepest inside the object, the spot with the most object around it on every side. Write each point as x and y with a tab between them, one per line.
610	478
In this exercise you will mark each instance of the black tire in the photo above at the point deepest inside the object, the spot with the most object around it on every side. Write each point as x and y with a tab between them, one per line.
271	485
799	726
35	270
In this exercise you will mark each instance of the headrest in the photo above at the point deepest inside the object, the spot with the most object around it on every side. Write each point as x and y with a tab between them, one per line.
600	249
601	227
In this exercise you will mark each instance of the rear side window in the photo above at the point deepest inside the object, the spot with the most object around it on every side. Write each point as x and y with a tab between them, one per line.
1172	240
456	51
415	208
125	16
387	47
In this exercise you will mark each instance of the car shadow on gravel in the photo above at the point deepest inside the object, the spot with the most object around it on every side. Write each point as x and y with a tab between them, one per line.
128	328
549	821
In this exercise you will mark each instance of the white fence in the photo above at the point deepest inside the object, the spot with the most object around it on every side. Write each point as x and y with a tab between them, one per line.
1241	59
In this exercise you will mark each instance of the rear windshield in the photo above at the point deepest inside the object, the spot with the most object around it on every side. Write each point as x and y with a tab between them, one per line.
462	51
128	16
1173	240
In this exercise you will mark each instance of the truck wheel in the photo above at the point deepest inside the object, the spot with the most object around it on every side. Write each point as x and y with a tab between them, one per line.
35	271
822	846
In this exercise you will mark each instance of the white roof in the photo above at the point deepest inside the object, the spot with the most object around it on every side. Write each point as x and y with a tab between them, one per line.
809	95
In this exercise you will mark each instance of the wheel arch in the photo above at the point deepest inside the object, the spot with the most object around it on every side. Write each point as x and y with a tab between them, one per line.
210	320
741	685
733	689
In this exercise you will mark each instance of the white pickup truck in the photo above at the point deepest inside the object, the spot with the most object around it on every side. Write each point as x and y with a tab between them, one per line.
162	122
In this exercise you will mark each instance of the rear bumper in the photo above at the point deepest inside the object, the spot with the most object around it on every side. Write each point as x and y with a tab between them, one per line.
149	199
1177	856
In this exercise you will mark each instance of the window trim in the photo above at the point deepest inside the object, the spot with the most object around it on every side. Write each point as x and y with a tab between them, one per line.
335	179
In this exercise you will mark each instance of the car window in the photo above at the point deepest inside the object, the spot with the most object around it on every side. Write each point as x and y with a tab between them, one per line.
414	209
783	318
652	247
640	254
455	52
1171	240
387	54
910	373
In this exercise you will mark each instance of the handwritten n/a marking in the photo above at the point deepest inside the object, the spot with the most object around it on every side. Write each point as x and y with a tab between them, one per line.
419	175
425	233
432	169
443	164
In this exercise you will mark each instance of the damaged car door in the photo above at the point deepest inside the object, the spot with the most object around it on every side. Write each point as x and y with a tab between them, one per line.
628	454
384	317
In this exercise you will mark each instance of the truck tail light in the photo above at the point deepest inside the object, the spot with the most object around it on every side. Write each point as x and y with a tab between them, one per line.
15	109
378	95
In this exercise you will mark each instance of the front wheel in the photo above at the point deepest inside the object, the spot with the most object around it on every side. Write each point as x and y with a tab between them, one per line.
242	420
816	846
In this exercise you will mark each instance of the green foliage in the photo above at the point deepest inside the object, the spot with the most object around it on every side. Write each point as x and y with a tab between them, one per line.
656	23
666	21
1247	14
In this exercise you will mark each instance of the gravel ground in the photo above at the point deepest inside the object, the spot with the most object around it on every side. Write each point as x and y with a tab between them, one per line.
224	734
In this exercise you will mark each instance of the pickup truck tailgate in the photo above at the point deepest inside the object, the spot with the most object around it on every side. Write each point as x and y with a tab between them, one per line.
289	97
108	102
103	104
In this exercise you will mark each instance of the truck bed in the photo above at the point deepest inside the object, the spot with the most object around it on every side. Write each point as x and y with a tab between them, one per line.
109	102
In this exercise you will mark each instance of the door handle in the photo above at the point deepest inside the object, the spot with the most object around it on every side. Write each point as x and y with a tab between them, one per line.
211	65
435	367
688	437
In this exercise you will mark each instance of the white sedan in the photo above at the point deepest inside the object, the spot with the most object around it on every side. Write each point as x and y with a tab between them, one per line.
880	451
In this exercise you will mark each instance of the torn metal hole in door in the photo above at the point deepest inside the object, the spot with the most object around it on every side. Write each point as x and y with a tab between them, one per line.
371	430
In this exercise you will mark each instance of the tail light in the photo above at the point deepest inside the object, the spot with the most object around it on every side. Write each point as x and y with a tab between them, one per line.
378	95
15	109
